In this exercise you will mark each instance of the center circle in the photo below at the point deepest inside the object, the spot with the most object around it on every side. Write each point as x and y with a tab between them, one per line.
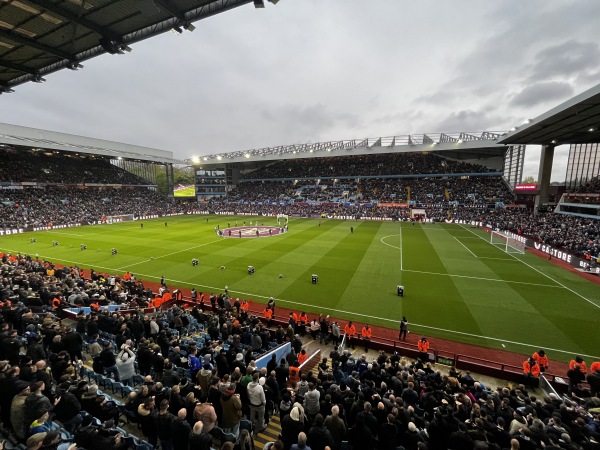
249	232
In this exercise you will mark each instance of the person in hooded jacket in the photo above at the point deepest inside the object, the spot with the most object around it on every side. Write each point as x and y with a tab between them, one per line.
125	365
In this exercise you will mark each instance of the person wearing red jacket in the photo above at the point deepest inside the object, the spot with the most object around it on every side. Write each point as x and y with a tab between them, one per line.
541	359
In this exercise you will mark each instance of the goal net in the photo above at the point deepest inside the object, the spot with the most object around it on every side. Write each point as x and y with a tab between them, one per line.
505	241
119	218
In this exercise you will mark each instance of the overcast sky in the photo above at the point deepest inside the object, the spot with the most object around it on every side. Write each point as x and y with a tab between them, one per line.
314	70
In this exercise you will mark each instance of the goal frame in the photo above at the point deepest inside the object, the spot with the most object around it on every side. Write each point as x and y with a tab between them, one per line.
508	244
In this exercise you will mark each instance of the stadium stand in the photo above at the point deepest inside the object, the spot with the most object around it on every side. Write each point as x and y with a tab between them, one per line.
181	375
61	167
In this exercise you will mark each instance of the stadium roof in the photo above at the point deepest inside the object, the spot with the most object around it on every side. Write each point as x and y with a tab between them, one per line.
15	136
39	37
460	146
576	121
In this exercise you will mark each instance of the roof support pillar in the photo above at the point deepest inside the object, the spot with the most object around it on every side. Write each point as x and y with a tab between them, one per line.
546	159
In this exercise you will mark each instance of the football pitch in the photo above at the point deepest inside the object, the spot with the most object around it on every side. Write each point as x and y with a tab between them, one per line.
457	285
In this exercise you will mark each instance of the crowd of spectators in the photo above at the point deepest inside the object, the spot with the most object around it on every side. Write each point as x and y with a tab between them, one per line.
37	207
356	165
442	198
466	191
61	167
189	388
592	186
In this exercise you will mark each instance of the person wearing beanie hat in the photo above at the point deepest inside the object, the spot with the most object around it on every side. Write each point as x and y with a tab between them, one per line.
231	407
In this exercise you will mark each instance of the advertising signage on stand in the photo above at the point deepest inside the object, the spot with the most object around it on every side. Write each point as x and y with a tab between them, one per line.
526	187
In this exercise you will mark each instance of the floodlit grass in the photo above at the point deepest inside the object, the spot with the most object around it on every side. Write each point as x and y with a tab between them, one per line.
189	191
457	285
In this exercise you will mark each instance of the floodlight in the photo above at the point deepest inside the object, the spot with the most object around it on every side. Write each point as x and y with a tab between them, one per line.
195	160
590	130
247	155
176	30
74	65
460	141
38	79
125	48
259	3
553	141
189	27
274	1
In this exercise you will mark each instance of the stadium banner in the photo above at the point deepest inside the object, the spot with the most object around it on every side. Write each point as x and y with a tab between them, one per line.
9	231
392	205
526	187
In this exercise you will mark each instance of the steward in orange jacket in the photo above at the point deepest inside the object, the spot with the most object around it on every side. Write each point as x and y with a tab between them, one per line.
244	306
268	315
294	373
595	367
423	345
302	356
350	331
541	359
530	367
532	372
578	361
366	334
302	322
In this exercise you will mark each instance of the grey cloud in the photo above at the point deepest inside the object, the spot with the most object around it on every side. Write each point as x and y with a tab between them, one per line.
468	120
543	92
298	121
566	59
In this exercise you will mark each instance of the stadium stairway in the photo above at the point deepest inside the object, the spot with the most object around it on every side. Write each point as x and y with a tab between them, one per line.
270	434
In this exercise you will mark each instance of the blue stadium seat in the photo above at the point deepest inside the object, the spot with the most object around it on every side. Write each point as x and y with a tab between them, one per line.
106	382
126	391
117	386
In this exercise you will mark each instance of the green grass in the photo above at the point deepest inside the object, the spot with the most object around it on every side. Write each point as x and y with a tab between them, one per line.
457	285
189	191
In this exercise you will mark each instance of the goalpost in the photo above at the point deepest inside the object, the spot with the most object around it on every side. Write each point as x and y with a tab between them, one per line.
504	241
119	218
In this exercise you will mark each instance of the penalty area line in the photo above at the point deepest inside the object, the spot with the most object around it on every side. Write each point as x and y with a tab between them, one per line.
543	274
